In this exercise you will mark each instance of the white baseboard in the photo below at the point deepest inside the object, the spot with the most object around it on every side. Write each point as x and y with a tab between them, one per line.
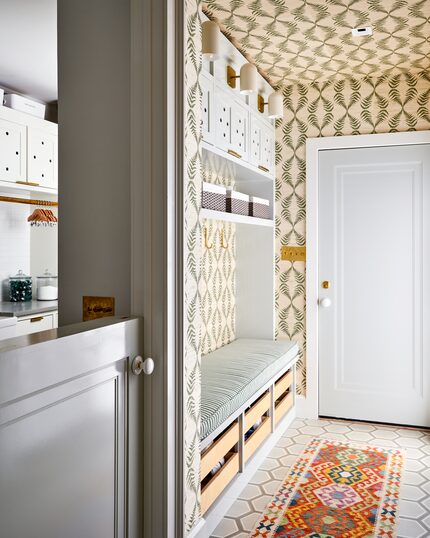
305	408
219	509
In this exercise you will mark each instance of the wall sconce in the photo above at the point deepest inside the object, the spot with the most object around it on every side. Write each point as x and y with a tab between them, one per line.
275	105
210	40
248	78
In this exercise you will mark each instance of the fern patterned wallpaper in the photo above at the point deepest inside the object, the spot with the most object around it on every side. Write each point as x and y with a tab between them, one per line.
345	107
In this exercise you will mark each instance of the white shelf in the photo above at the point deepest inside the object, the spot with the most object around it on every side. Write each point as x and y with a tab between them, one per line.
242	170
232	217
17	188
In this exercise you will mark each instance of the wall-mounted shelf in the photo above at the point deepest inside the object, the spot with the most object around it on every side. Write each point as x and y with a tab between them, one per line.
17	188
215	158
232	217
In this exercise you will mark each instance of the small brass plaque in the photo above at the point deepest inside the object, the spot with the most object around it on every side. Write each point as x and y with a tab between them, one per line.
293	254
97	307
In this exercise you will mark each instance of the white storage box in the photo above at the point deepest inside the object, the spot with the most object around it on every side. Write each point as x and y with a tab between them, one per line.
237	202
259	207
23	104
213	196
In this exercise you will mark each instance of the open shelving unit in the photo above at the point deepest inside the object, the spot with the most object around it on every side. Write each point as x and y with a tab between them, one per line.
232	217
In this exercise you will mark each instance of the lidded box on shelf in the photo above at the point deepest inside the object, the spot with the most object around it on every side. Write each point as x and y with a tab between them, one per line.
259	207
18	102
214	196
237	202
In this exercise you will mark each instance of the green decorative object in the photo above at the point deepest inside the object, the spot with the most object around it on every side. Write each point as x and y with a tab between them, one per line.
20	288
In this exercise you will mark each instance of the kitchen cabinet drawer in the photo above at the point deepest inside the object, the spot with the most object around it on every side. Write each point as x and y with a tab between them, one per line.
222	119
267	149
42	158
239	130
12	151
35	324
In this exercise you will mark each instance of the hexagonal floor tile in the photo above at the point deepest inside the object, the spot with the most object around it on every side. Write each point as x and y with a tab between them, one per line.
413	479
226	528
312	430
384	434
409	528
260	477
269	464
409	442
416	466
359	436
251	491
270	488
412	493
248	522
260	504
240	508
337	428
411	509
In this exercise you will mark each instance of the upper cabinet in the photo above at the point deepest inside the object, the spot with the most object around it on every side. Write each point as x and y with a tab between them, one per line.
230	124
13	151
28	150
42	158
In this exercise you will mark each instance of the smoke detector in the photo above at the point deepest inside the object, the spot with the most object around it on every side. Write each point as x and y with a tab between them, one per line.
361	31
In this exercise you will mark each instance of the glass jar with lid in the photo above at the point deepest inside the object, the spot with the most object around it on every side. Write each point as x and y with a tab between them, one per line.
47	287
20	287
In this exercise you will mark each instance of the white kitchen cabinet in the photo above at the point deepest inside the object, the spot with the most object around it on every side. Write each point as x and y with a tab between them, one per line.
12	151
42	158
223	107
255	141
267	148
208	128
239	129
36	323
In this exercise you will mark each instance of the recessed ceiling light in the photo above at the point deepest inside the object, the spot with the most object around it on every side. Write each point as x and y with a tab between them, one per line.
362	31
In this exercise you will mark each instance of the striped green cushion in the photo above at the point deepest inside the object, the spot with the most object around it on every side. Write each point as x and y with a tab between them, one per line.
232	374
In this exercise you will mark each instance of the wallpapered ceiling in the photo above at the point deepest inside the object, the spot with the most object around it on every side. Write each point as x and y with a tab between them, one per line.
297	40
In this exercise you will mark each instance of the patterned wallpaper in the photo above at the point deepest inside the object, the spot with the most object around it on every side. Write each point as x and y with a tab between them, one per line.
353	106
192	262
218	270
299	40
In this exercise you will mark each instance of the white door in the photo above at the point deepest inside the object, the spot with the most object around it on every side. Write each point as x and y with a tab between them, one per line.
374	251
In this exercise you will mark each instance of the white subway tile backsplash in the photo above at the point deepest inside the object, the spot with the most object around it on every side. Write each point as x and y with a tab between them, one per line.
14	242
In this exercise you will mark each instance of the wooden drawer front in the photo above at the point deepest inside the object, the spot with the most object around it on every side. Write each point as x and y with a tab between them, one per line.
283	406
257	411
219	449
219	482
283	384
253	442
35	324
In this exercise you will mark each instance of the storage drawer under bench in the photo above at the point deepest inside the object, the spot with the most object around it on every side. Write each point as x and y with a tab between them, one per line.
243	437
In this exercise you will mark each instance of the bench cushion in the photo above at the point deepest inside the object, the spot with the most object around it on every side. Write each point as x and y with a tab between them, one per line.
232	374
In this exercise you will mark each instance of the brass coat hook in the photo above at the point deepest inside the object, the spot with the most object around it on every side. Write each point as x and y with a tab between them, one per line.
206	234
224	243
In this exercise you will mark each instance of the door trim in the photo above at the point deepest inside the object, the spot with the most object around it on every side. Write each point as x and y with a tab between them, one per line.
156	48
308	406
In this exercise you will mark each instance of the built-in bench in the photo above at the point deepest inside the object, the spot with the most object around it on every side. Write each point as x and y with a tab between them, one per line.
247	388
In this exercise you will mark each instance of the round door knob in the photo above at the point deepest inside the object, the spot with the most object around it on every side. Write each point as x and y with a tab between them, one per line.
139	365
325	302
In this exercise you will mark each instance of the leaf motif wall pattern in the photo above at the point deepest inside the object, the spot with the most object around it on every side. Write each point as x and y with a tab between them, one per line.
344	107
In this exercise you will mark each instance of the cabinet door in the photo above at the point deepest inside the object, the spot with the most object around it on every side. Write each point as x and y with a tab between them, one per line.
222	119
239	130
267	148
12	151
255	142
42	158
208	131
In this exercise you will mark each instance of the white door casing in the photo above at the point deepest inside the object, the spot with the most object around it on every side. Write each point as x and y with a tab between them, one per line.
373	234
308	406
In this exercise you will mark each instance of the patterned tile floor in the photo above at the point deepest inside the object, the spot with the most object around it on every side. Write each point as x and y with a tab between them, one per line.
414	519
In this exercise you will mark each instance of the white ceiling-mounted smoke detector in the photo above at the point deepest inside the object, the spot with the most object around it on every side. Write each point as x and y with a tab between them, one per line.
361	31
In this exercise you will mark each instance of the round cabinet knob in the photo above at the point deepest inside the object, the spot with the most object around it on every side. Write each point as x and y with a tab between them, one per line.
139	365
325	302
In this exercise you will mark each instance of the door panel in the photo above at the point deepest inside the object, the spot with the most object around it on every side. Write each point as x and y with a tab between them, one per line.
42	158
12	151
373	249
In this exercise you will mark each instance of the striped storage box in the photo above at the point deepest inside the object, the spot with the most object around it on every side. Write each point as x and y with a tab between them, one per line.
237	202
214	196
259	207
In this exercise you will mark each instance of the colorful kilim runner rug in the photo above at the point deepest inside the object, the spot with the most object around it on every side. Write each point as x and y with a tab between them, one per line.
336	489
